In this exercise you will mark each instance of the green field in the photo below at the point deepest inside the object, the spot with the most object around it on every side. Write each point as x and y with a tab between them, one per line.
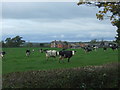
15	59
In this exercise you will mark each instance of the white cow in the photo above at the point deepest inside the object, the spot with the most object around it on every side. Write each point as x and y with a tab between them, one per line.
51	53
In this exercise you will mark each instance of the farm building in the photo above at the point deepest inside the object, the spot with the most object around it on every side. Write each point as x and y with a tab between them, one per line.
65	44
60	44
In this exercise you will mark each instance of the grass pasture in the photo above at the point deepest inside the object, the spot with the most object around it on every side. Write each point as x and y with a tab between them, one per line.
16	61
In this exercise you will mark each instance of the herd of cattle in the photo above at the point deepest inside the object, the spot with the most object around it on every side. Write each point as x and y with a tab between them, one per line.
54	53
63	53
89	48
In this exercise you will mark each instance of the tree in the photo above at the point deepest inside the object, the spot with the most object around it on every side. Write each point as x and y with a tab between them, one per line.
65	42
41	44
8	42
30	44
17	41
108	7
14	42
93	41
2	43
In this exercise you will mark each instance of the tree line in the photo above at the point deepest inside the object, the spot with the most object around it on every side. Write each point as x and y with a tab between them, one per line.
18	42
13	42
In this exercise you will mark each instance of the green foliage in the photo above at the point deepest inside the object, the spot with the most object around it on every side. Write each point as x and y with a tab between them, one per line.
105	76
93	41
2	43
41	44
118	31
29	45
14	42
65	42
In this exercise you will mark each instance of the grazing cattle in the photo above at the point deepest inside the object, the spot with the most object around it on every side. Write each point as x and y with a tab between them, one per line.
27	52
2	54
95	48
41	50
114	47
66	54
87	49
51	53
33	50
104	48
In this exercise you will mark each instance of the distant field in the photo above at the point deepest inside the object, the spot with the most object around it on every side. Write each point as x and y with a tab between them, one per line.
15	59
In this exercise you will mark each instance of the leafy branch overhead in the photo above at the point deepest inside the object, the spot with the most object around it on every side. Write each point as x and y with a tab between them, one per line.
107	10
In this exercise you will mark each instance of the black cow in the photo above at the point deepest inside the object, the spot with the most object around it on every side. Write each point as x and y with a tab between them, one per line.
104	48
27	52
66	54
2	53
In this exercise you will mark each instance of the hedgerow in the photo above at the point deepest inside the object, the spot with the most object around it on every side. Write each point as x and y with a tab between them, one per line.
105	76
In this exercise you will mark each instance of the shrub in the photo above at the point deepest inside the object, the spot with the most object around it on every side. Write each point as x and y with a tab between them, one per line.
105	76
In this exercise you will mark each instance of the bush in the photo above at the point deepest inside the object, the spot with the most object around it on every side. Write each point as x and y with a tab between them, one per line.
105	76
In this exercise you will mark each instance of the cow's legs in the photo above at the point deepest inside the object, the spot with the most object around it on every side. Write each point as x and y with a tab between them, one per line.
2	55
47	58
60	58
26	54
68	59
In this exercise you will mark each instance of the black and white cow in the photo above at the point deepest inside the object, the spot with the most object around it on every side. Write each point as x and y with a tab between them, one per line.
27	52
2	54
87	49
51	53
114	47
65	54
95	48
41	50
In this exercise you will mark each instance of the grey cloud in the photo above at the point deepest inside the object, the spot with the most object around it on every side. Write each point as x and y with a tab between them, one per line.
40	22
46	10
75	29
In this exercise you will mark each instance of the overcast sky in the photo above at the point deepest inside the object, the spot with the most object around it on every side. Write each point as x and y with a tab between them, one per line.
45	22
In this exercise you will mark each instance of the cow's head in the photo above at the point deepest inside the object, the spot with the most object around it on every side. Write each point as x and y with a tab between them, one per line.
73	52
